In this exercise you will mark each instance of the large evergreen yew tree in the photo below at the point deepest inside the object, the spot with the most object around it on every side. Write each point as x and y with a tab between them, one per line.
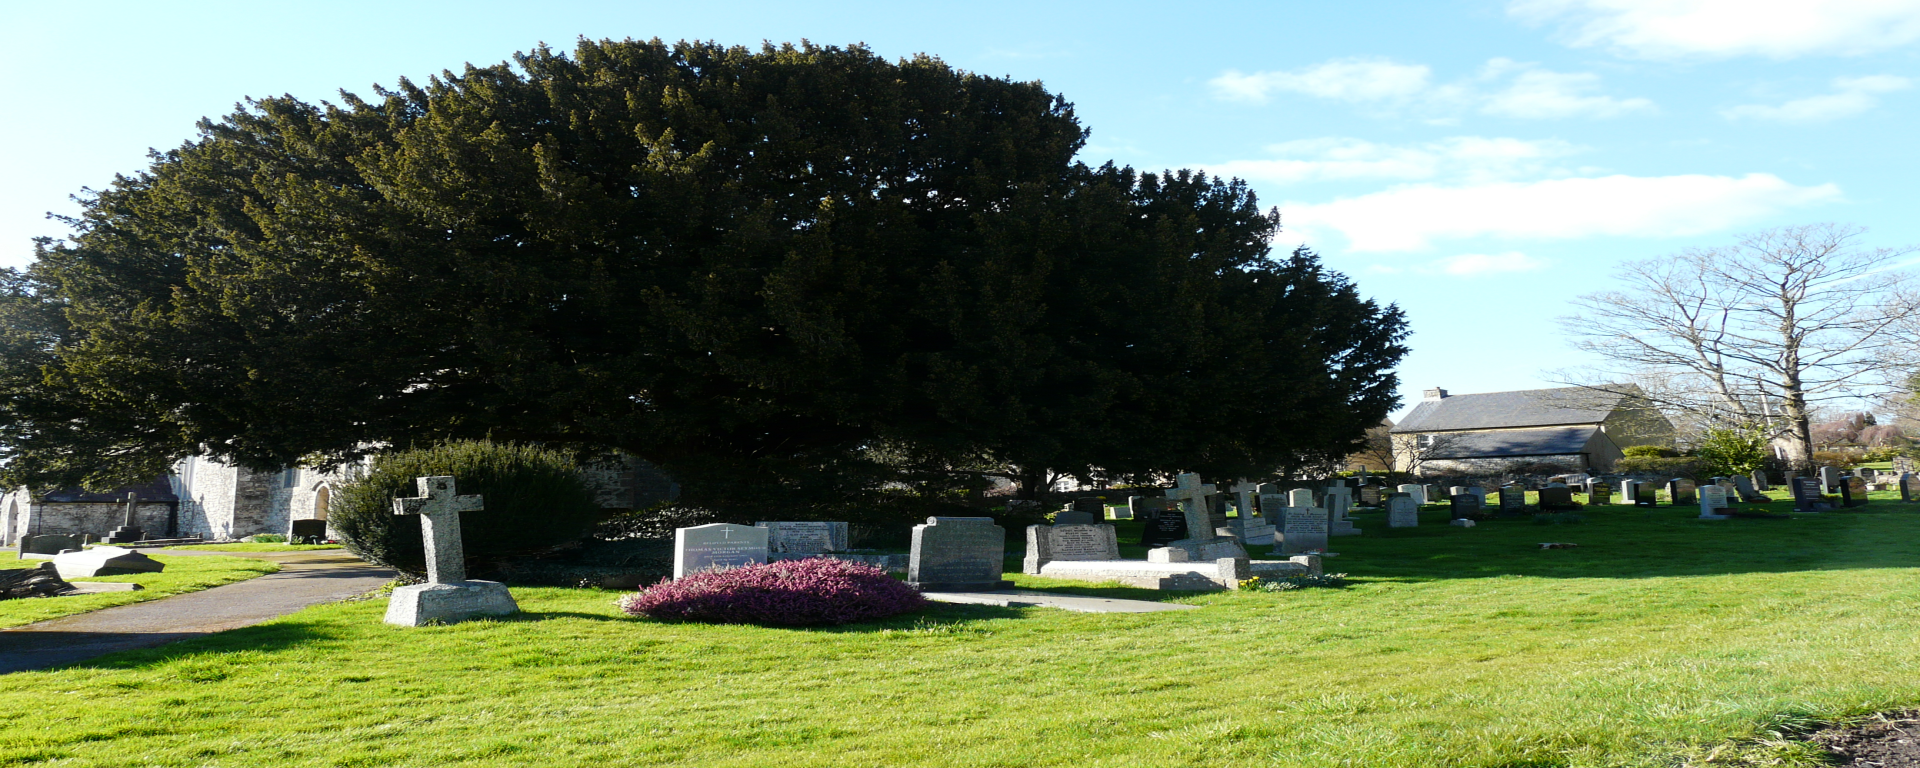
748	267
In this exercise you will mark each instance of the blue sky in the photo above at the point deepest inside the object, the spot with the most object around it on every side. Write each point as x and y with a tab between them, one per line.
1477	163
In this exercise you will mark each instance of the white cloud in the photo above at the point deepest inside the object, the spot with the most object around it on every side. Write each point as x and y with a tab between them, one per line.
1518	89
1357	80
1411	218
1851	96
1470	158
1538	94
1468	264
1780	29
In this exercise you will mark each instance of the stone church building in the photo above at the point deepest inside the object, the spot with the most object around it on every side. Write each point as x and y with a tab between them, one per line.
1574	428
216	500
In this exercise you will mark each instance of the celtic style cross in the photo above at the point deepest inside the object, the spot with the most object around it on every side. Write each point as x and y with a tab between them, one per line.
439	510
1191	496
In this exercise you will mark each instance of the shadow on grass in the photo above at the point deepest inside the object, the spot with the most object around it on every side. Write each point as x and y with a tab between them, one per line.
23	651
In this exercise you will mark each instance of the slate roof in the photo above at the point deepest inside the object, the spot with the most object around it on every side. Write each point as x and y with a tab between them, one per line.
155	490
1505	410
1553	441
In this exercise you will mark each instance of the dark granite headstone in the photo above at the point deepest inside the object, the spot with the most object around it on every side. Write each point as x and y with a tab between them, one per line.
1854	491
1556	498
1806	493
48	544
1600	493
1644	495
1465	505
1680	492
1163	526
1513	499
1909	487
307	532
958	554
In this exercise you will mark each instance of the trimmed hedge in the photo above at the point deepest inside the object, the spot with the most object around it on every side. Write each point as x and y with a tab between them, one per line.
816	590
535	501
1681	466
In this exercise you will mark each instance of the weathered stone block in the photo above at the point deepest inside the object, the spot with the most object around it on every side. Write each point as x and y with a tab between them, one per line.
423	604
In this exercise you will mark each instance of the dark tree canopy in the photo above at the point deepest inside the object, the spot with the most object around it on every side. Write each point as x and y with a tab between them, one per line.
748	267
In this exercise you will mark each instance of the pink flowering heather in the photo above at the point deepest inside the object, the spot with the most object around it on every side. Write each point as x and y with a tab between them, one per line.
793	592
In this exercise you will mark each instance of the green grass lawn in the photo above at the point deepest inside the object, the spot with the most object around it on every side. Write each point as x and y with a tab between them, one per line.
183	574
1656	641
245	546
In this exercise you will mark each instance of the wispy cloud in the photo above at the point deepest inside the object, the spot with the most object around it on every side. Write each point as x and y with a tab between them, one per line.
1780	29
1851	96
1467	265
1467	158
1503	88
1414	217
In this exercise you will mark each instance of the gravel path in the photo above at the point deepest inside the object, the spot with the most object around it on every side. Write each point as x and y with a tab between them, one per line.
305	578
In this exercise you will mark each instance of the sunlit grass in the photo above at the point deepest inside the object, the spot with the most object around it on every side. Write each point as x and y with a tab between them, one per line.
183	574
1659	638
247	546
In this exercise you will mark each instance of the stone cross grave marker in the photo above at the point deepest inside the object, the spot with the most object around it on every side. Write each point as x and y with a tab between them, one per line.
448	594
1712	499
1402	511
1243	498
1191	495
1050	543
958	554
129	531
1806	493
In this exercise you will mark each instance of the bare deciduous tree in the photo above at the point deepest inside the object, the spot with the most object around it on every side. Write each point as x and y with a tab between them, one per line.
1766	331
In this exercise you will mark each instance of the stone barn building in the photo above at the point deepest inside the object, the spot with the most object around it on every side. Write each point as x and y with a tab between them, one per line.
1491	433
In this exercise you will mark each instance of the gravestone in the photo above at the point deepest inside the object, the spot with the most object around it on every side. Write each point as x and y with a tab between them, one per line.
1190	496
1086	510
1339	499
1415	492
1048	543
1370	496
1464	505
717	547
1830	481
1513	500
1712	499
1432	494
1903	464
1644	495
1759	480
130	531
104	561
1599	493
307	532
1680	492
1909	486
1131	511
1480	492
47	544
804	537
1248	525
1855	492
1743	487
1301	497
1552	498
448	595
1806	494
1304	529
1163	524
1402	511
958	554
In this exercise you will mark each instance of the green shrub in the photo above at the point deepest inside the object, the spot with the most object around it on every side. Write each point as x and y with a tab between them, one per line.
535	500
1886	453
1649	451
1730	451
1841	459
1664	466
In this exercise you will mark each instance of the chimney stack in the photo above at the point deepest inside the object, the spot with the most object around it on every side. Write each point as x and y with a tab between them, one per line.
1436	394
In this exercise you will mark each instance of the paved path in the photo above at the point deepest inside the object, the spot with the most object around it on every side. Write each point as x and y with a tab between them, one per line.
1023	598
305	578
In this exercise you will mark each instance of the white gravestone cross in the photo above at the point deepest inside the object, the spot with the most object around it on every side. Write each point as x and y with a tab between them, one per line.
439	510
1243	493
447	595
1190	493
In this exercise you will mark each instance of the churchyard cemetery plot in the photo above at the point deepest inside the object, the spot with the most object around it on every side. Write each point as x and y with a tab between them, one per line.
1658	639
182	574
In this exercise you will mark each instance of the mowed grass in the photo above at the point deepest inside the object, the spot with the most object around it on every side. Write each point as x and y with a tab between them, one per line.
183	574
247	546
1656	641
